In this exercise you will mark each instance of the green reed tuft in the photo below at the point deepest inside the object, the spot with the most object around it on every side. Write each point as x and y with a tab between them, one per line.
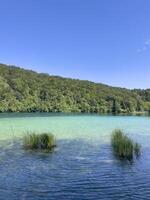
45	141
137	149
123	146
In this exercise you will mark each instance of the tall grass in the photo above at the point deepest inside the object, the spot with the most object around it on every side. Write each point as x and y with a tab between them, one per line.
45	141
123	146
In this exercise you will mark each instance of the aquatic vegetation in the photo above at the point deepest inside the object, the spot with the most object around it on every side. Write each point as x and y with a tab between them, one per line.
137	149
123	146
45	141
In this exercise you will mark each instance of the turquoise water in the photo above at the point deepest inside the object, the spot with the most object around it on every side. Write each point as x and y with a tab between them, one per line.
81	167
85	127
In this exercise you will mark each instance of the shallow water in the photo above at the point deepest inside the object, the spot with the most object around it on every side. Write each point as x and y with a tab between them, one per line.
81	167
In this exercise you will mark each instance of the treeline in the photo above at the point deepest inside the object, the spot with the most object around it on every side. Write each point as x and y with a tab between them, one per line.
27	91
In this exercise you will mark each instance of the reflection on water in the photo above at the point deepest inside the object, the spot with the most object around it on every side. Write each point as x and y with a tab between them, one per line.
81	167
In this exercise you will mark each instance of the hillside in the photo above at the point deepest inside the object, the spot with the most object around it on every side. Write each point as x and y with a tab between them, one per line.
27	91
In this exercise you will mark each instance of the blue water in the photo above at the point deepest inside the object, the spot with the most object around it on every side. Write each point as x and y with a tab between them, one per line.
81	167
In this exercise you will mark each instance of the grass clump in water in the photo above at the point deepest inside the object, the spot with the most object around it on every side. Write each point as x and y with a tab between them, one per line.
44	141
137	149
123	146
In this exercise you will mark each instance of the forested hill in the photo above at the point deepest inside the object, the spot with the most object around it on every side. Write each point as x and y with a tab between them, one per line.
27	91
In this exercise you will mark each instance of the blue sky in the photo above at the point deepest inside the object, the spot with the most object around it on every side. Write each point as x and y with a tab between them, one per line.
104	41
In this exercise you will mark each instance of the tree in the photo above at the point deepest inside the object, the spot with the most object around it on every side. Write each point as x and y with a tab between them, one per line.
115	107
27	91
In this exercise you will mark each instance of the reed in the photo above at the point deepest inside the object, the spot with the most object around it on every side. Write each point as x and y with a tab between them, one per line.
137	149
44	141
123	146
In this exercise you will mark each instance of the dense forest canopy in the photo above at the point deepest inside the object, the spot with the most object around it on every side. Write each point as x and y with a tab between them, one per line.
27	91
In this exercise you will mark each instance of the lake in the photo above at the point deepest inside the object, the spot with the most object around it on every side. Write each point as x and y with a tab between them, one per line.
81	167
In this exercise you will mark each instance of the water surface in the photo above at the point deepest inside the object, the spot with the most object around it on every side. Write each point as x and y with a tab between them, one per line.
81	167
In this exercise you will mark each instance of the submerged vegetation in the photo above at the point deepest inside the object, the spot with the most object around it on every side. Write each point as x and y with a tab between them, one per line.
44	141
27	91
123	146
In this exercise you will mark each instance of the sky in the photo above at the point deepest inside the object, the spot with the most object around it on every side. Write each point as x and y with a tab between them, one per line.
105	41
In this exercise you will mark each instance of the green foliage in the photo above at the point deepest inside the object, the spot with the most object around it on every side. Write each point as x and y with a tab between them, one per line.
42	141
123	146
116	107
27	91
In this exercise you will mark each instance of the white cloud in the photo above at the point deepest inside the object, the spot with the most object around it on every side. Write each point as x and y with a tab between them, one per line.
145	47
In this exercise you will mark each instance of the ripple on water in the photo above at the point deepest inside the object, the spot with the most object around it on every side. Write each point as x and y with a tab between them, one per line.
80	167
